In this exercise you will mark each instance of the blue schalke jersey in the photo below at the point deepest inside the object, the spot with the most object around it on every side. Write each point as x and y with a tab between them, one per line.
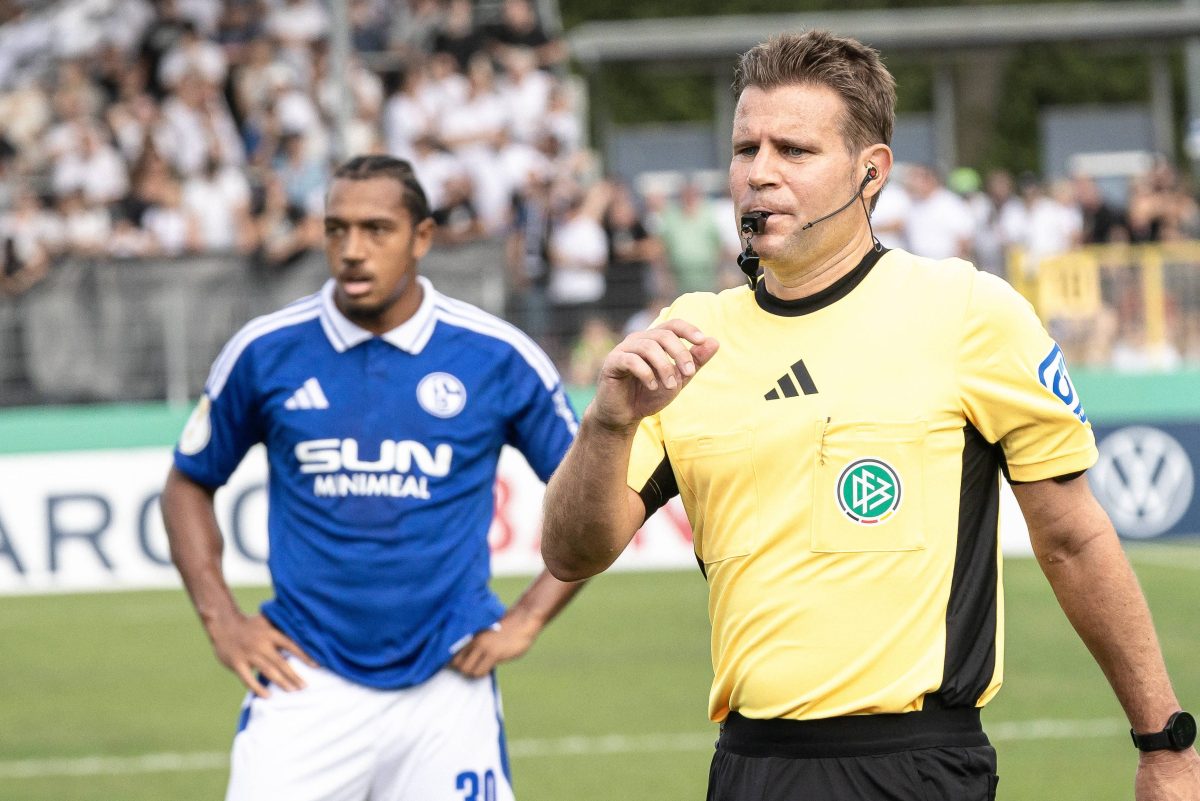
383	454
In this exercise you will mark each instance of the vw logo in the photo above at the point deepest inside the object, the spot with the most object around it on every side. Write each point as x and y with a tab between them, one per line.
1144	481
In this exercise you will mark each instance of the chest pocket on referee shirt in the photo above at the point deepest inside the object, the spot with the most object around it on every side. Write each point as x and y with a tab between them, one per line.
869	492
719	489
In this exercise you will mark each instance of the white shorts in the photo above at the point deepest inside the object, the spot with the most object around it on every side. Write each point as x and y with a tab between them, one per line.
339	741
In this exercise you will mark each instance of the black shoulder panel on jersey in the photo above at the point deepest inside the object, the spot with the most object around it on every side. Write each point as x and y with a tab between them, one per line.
971	611
659	488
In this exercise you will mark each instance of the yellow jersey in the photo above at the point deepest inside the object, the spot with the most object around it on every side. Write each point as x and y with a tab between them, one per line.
839	460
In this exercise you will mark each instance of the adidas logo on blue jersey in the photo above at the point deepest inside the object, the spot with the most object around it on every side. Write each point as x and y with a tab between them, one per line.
786	386
309	396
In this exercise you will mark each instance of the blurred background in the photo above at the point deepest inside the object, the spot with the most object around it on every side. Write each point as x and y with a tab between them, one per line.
162	171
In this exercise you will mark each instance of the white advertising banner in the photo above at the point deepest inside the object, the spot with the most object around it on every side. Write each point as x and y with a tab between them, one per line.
89	520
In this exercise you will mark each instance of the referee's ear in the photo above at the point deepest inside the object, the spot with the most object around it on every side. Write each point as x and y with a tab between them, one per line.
422	238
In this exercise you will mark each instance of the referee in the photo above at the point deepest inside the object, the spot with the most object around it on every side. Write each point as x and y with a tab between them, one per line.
836	431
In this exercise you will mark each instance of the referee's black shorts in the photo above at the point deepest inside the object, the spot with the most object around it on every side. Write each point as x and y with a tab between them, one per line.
932	755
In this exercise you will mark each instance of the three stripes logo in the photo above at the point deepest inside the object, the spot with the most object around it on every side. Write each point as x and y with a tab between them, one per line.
786	387
309	396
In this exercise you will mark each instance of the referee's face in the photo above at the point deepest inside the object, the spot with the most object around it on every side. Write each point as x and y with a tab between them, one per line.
789	158
373	248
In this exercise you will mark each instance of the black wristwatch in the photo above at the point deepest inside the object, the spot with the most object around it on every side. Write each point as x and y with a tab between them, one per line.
1179	734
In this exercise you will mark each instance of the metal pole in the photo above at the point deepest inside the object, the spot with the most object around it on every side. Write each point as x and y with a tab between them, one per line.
1191	78
339	64
1162	110
945	112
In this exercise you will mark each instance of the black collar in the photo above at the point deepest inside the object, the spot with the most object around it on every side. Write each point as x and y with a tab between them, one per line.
827	296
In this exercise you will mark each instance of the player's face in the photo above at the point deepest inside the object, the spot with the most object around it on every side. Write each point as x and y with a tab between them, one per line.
790	159
373	248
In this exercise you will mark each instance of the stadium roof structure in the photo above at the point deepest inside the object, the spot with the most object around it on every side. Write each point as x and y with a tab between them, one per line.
933	29
938	35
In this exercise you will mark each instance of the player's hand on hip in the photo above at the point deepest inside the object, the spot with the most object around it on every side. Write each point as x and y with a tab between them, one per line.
249	646
1168	776
647	370
509	639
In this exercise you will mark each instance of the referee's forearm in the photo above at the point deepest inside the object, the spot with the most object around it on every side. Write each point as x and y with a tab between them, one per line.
1100	595
588	519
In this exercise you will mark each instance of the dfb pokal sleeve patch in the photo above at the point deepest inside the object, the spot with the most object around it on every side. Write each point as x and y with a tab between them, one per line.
1052	373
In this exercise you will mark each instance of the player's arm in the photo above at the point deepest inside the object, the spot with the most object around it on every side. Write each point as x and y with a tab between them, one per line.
1078	550
590	512
245	644
541	602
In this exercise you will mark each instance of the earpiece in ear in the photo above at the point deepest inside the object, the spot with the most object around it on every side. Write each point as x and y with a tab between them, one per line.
872	173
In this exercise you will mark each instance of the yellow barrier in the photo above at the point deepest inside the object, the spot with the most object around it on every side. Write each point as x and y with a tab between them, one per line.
1129	306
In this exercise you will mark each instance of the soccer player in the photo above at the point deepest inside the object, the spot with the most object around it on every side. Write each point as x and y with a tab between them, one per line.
383	405
836	432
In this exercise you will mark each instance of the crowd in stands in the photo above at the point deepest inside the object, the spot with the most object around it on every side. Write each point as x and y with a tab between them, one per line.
132	129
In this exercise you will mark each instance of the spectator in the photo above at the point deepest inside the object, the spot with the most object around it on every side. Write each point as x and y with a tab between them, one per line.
1002	226
368	26
192	54
128	240
472	130
448	187
303	176
690	233
174	231
414	23
519	27
86	225
1052	225
96	169
296	24
407	115
218	198
239	27
163	33
1102	222
939	224
578	257
526	91
283	232
527	255
27	232
457	35
195	122
635	259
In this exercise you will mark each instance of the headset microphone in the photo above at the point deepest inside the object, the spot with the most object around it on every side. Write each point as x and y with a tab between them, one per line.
871	175
756	223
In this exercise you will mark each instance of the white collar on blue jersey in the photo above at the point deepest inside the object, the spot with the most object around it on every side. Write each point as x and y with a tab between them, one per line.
411	336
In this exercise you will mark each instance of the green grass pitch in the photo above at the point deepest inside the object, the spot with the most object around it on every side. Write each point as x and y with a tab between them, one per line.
609	705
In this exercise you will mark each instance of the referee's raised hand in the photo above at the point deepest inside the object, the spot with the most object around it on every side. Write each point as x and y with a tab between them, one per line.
647	370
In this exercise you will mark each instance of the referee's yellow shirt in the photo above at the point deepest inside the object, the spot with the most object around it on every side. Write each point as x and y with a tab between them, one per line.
839	460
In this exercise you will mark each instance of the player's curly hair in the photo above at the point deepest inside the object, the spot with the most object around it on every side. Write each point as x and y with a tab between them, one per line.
362	168
845	65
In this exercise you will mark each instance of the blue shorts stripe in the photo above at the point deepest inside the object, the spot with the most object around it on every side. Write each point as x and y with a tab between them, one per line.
244	716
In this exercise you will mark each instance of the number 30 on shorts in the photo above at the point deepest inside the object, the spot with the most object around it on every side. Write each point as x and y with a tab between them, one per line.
469	782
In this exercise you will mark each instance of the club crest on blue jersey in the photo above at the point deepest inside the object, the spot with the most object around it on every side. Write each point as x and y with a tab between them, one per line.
1052	373
441	394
